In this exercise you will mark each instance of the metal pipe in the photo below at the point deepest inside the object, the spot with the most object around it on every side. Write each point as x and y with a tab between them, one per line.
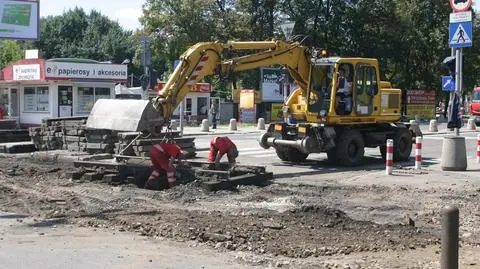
302	145
450	226
457	80
181	118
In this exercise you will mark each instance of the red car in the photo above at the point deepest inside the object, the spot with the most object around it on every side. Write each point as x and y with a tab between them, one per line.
475	105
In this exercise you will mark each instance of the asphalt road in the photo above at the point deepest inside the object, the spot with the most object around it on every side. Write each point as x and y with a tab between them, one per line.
251	153
26	244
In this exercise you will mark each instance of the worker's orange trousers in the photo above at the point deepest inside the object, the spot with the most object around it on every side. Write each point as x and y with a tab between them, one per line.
160	163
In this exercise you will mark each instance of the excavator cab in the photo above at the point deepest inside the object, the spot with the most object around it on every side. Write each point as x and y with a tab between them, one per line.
320	89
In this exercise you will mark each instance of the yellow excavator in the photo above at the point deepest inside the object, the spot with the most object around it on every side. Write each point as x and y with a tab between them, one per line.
340	106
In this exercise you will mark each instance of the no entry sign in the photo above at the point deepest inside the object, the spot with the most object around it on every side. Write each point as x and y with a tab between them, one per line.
460	5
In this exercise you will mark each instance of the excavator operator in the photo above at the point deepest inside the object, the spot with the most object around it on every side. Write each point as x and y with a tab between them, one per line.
220	146
162	156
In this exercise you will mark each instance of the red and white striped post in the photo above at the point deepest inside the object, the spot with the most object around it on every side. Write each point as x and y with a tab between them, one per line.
418	152
389	157
478	148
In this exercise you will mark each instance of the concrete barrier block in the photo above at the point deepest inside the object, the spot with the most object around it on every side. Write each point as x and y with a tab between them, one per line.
433	126
454	154
471	125
261	124
205	126
233	125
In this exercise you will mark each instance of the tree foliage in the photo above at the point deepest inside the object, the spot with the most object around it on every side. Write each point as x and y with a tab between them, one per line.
78	34
410	38
11	51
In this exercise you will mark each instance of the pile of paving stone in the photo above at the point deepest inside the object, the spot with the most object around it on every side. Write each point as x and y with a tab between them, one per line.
71	134
60	133
131	144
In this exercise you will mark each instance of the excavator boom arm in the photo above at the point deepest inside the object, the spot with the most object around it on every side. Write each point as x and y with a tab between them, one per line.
205	59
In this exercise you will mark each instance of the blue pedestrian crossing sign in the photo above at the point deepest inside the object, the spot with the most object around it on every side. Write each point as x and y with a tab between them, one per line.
448	84
460	34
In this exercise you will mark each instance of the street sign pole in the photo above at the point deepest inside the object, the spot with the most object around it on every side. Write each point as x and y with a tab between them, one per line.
458	82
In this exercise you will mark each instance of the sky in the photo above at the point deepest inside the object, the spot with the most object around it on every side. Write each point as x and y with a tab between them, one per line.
126	12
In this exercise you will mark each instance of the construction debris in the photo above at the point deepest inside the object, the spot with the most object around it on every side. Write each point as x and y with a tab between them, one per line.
117	170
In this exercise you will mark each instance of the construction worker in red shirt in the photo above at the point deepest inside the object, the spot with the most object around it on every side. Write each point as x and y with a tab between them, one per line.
220	146
162	156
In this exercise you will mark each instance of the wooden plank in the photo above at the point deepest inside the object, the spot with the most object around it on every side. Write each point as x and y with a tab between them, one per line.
71	138
113	179
93	176
212	174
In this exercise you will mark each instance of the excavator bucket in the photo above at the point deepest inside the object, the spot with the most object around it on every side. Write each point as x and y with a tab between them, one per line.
124	115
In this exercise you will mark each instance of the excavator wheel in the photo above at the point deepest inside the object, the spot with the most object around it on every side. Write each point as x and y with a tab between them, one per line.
402	145
349	150
289	154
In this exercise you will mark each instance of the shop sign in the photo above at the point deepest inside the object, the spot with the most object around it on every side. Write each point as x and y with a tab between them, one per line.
421	103
26	72
64	70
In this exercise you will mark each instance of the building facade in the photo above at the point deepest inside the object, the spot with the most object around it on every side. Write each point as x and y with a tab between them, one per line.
196	104
34	89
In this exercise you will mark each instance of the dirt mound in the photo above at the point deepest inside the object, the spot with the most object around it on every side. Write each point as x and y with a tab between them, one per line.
303	232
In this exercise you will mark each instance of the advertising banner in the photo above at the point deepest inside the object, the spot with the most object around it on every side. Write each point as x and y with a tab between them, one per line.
421	103
247	106
19	19
271	91
236	96
66	70
247	99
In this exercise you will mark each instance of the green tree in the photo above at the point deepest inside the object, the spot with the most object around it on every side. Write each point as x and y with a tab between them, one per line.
10	52
78	34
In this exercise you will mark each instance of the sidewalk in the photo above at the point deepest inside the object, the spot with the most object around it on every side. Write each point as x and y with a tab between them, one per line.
442	129
221	130
430	176
249	129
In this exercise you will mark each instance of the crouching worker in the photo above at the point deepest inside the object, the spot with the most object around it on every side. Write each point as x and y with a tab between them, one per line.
162	157
220	146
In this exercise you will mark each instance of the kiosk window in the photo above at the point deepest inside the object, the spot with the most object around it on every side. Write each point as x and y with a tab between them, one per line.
87	96
36	99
